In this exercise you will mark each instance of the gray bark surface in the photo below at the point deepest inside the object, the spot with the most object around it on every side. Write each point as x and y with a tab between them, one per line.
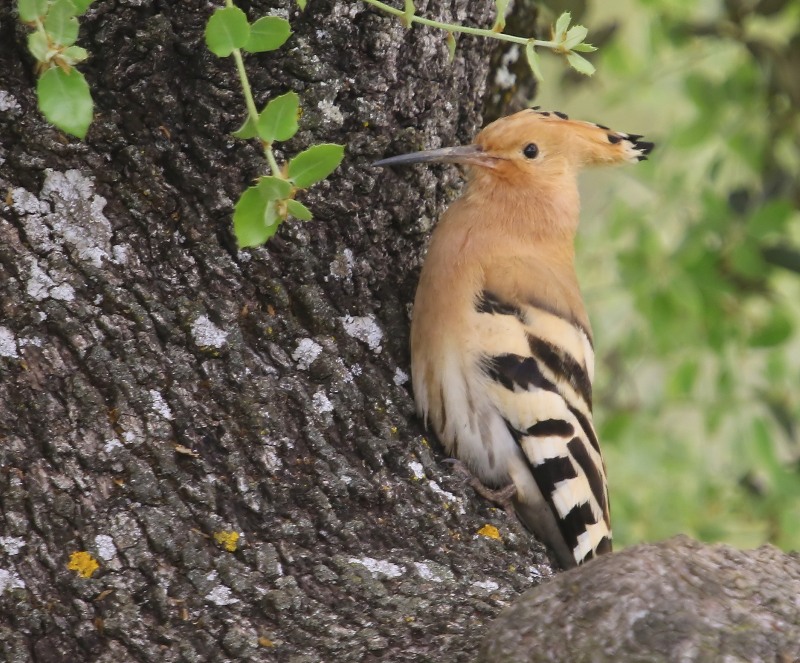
675	601
158	387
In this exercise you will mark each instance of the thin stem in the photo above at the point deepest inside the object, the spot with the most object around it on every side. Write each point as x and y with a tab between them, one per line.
273	164
453	27
252	111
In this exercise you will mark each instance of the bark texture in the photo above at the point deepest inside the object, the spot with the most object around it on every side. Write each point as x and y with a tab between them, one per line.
162	392
229	436
674	601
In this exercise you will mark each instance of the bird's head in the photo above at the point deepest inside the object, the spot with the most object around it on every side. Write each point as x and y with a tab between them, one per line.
535	146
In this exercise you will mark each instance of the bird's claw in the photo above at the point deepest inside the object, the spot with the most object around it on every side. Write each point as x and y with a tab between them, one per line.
502	497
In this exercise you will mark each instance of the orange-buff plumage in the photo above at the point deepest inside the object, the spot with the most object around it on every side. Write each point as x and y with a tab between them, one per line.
501	346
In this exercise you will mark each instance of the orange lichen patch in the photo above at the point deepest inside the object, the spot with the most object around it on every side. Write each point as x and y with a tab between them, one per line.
83	563
265	642
227	540
490	532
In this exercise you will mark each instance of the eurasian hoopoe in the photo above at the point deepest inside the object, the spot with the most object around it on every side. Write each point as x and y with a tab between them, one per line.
501	347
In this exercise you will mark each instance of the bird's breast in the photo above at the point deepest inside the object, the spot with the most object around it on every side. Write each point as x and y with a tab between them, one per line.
480	298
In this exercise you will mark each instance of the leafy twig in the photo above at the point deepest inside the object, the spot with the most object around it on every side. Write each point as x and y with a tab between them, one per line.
566	41
62	93
262	207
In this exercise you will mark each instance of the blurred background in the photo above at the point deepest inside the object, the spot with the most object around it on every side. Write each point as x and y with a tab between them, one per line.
690	262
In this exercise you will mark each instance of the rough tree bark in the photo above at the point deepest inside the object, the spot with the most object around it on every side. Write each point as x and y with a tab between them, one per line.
162	392
677	600
160	388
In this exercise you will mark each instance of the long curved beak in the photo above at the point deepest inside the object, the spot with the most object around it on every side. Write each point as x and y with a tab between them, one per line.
469	154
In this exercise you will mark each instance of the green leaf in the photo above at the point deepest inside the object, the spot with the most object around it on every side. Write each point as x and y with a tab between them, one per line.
65	100
273	188
267	34
763	446
298	210
255	220
562	23
771	218
38	46
248	130
747	260
575	36
315	164
271	217
500	20
584	48
81	6
227	30
301	4
777	329
533	59
580	64
74	54
746	145
30	10
451	47
683	379
61	24
278	120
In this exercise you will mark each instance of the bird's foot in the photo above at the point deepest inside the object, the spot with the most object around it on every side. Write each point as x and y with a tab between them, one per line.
502	497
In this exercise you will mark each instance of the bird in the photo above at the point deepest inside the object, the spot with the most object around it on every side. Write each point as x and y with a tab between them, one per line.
502	354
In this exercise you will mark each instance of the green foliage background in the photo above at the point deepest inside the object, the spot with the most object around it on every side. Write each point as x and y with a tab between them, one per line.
691	264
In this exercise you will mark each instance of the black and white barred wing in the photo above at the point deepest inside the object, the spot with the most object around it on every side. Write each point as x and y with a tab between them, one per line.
542	388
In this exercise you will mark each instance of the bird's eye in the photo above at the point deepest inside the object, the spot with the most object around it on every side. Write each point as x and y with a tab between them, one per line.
531	151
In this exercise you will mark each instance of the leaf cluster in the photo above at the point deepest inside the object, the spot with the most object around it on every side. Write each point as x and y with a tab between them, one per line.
228	29
62	92
262	207
65	100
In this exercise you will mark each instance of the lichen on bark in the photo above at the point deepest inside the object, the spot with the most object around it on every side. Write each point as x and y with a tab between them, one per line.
159	386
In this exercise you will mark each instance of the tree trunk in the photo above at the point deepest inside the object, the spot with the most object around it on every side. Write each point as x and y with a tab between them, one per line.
675	601
163	392
209	454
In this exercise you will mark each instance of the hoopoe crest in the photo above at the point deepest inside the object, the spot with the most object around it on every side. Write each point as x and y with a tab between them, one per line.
501	346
